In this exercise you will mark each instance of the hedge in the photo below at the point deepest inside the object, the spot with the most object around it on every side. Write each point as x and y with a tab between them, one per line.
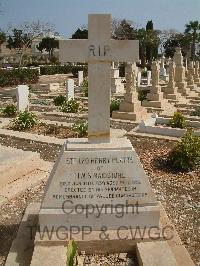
18	76
66	69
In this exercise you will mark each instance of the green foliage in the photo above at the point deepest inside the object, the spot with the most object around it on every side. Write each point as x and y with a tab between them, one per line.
71	252
2	37
176	40
142	95
81	128
196	112
148	44
123	30
114	105
65	69
18	76
48	44
59	100
186	154
9	110
192	32
178	121
40	101
80	34
25	120
17	39
71	106
149	25
144	73
84	87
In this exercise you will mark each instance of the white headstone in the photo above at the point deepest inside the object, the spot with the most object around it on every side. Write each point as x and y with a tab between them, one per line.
163	72
22	93
139	77
80	77
70	89
148	78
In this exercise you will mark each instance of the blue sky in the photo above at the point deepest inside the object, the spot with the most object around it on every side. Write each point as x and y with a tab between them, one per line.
68	15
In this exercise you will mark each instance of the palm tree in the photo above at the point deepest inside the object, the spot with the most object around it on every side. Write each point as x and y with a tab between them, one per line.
193	31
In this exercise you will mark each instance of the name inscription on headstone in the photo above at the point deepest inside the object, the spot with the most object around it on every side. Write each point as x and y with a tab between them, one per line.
98	176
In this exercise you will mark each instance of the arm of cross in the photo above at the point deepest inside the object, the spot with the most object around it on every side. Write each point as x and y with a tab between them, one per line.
80	51
73	51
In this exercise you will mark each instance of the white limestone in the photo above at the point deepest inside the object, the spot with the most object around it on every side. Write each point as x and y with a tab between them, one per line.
116	82
99	51
139	77
148	78
22	93
162	68
130	108
97	177
180	72
70	89
80	78
155	97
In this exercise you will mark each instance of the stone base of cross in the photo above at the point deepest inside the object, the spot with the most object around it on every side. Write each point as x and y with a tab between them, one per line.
99	51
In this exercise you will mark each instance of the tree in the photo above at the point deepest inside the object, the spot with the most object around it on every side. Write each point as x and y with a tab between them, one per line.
124	30
17	39
147	38
2	38
176	40
192	30
149	25
142	36
48	44
164	35
80	34
21	38
152	41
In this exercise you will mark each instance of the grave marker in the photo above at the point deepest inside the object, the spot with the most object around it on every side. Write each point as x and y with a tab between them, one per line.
99	51
130	108
80	78
22	93
70	89
139	77
98	175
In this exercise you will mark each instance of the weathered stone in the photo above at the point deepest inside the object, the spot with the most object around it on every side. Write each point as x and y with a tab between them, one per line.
155	254
130	108
70	89
22	93
99	51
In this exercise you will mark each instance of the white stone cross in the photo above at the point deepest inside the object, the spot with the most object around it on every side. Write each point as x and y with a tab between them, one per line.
99	50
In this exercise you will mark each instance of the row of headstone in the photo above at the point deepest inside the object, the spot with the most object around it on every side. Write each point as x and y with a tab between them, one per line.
185	86
22	95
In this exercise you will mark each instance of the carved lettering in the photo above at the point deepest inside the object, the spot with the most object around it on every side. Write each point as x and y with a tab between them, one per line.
100	50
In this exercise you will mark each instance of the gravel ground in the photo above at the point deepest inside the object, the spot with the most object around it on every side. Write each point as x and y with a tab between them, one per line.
178	192
51	130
